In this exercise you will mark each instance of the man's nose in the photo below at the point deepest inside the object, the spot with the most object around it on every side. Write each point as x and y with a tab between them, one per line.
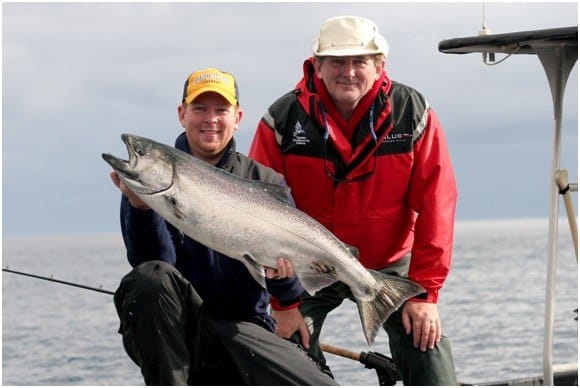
348	68
210	116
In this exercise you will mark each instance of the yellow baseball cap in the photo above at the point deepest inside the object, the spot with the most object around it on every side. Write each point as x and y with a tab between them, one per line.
343	36
210	80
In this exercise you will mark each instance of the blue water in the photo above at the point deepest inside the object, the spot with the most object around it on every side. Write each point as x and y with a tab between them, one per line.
492	308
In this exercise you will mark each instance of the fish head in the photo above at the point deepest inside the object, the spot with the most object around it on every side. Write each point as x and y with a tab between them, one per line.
150	168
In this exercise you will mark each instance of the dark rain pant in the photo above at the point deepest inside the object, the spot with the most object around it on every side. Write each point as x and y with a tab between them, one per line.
432	367
168	335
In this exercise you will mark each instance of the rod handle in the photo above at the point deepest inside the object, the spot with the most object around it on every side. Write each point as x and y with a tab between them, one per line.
340	352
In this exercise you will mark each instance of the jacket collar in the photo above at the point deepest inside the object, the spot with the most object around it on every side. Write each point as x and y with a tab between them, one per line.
315	99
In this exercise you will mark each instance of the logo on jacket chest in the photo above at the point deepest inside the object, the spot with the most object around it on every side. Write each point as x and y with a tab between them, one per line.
299	135
397	137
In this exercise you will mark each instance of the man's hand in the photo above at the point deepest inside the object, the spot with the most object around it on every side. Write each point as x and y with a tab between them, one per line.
134	200
422	319
290	322
284	270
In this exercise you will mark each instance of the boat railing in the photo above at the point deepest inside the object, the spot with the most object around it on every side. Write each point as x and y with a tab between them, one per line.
557	50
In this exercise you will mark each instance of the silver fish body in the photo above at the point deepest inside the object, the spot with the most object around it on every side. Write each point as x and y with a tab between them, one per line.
252	221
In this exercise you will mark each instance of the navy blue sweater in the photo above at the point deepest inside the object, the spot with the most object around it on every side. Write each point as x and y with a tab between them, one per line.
224	284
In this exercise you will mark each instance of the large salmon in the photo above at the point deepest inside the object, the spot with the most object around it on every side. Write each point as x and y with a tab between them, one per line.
253	222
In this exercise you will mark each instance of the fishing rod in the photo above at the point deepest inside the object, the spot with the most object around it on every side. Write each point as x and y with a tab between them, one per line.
386	369
51	279
384	366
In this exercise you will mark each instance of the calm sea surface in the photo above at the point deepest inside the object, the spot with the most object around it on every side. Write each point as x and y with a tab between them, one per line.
492	308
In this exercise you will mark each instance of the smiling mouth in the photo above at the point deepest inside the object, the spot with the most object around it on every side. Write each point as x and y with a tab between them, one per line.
348	84
210	133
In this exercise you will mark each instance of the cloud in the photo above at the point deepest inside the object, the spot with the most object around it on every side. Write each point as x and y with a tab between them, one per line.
77	75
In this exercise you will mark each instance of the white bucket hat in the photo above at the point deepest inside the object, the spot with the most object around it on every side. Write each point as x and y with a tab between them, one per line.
343	36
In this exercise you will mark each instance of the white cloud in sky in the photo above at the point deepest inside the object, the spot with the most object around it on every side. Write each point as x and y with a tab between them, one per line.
77	75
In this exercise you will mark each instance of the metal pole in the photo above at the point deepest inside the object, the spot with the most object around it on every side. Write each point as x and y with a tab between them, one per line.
565	188
557	61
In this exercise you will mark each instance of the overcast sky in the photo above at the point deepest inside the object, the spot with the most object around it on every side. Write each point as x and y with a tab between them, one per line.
78	75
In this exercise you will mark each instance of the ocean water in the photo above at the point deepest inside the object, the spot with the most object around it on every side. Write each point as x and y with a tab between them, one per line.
492	309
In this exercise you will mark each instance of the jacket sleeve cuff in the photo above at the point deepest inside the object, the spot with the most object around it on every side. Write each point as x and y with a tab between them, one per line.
278	305
427	297
286	290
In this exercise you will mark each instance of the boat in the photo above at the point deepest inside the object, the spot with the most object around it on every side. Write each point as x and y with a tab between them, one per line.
557	50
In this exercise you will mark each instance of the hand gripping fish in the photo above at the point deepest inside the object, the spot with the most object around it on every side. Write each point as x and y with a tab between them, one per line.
253	222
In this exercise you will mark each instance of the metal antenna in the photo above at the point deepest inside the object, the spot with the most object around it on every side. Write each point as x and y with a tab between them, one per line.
485	31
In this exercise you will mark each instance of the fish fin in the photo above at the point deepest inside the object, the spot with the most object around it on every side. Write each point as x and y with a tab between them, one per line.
279	192
354	250
392	293
316	275
315	283
255	269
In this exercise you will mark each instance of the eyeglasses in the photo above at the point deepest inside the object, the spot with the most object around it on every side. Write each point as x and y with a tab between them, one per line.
327	160
357	62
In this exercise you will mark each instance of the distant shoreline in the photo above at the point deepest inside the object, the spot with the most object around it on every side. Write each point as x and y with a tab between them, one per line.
459	225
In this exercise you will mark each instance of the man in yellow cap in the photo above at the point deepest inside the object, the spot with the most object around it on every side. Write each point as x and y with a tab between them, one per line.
366	156
190	315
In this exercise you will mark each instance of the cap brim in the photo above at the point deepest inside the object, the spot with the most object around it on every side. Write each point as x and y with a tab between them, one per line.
232	100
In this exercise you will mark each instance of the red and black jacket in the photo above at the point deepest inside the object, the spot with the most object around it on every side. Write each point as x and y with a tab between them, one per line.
381	181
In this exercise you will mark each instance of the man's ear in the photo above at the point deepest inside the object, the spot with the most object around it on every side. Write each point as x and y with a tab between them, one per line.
181	108
239	115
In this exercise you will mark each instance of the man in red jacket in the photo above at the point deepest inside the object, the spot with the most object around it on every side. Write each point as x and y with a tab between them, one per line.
366	156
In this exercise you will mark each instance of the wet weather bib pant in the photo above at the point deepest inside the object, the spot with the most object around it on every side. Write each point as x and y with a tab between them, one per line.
168	335
432	367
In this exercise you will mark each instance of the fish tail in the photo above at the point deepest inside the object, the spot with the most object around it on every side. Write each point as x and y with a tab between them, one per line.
392	292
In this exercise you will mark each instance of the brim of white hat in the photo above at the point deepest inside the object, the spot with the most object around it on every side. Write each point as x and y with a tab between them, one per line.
347	52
